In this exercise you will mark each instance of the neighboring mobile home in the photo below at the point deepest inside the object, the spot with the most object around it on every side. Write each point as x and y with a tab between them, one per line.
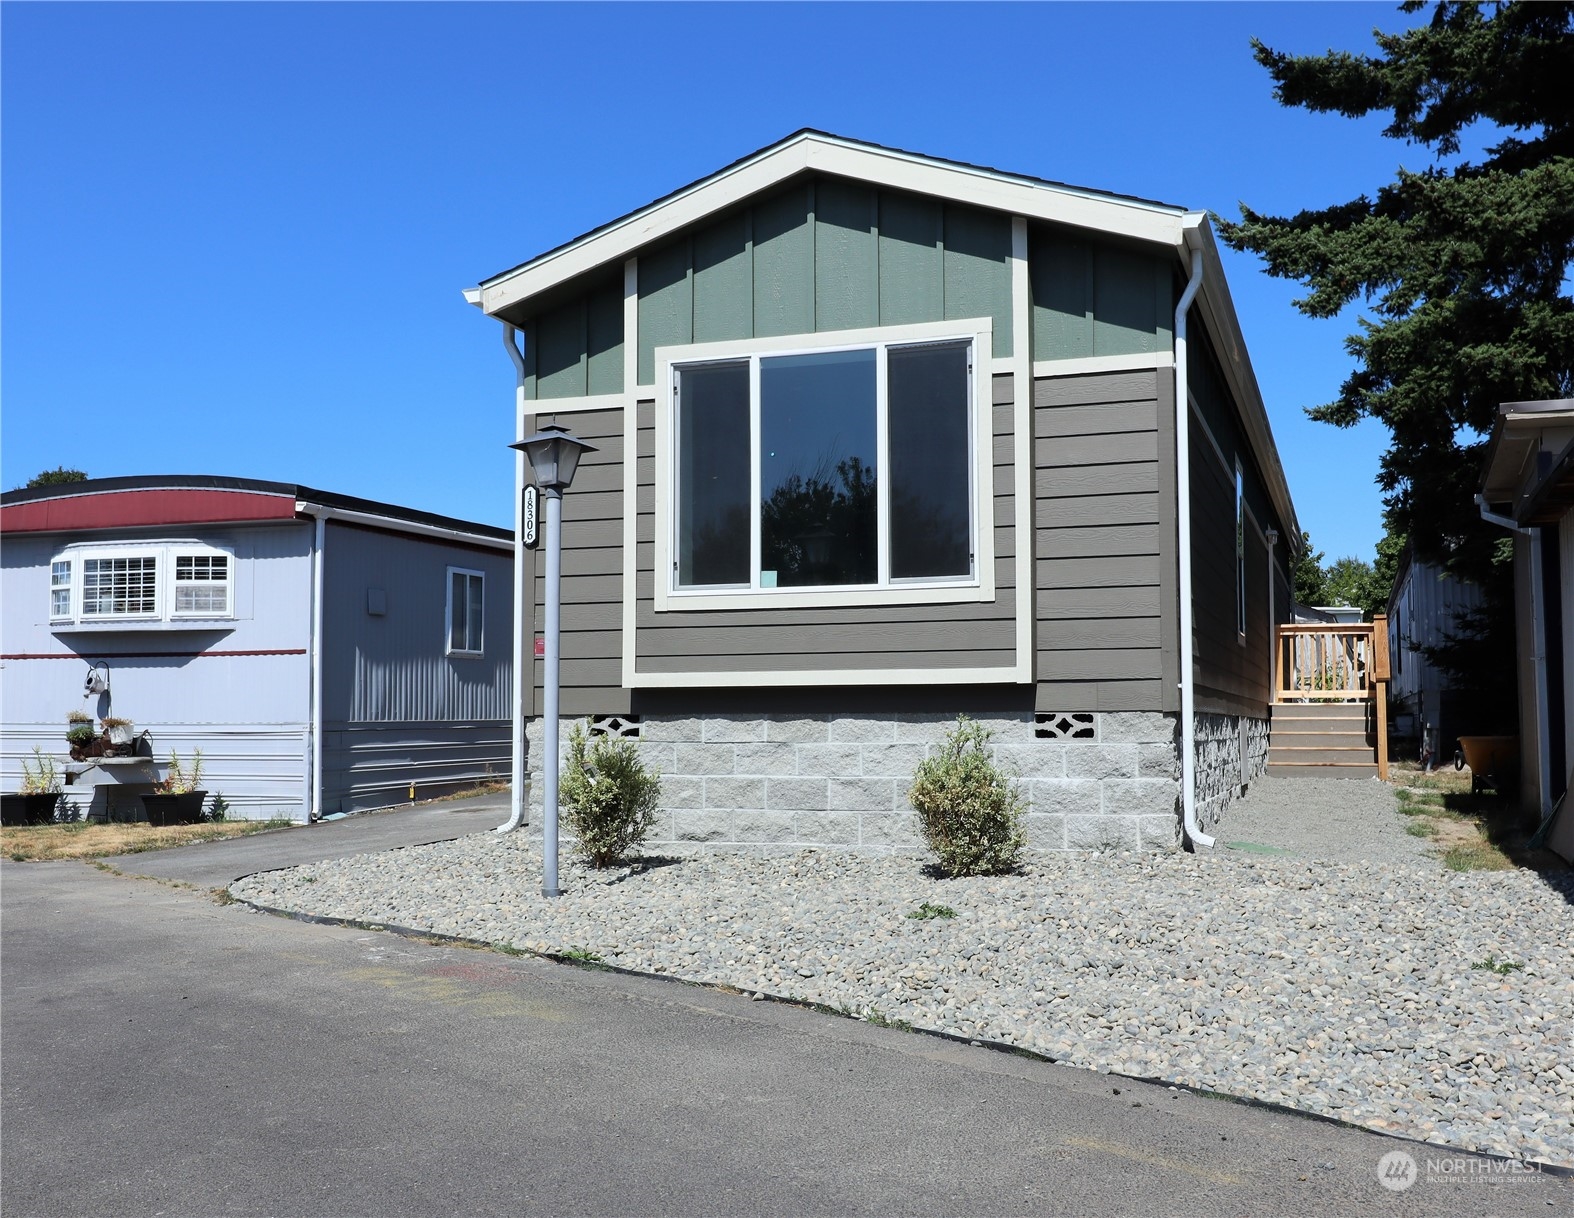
1427	607
881	438
1528	486
327	654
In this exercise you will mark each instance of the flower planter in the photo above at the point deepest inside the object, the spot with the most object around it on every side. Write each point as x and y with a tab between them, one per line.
88	750
36	809
184	809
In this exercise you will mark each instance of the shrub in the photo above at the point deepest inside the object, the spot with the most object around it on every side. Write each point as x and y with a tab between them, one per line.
969	810
608	796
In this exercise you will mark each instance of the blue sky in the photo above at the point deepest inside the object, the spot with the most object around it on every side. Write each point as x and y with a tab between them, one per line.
235	235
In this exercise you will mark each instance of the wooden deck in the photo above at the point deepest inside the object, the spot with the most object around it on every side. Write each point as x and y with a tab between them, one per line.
1330	713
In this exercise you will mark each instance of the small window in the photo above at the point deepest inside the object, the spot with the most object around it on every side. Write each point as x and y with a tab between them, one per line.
202	585
120	587
60	590
465	611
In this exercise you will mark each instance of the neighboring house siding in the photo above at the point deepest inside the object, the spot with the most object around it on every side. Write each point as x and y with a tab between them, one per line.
1105	542
1424	612
397	708
237	692
1097	297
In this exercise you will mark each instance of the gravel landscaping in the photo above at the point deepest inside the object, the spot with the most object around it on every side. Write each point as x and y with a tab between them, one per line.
1374	987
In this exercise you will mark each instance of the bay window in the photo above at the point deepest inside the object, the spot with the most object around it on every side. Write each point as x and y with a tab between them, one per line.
804	470
140	582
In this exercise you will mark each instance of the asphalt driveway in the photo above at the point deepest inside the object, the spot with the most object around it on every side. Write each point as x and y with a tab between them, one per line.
219	864
167	1054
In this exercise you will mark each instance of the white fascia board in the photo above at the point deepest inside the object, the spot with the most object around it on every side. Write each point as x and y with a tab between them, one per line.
878	167
393	525
627	237
1224	327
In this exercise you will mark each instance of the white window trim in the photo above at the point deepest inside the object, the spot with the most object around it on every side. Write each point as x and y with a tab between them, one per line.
175	583
448	614
164	553
70	563
981	587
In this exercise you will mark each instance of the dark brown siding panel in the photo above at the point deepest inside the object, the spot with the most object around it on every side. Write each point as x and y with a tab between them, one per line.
1101	533
1231	675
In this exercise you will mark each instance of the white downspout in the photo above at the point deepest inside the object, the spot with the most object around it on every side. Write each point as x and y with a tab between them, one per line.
1194	833
314	767
1538	660
516	811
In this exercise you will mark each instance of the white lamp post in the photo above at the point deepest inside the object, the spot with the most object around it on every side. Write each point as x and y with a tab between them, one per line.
554	456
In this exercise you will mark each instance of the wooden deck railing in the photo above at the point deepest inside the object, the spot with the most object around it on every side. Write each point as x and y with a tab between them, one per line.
1319	661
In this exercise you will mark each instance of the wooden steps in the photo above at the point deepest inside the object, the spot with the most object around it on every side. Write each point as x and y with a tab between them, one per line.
1322	740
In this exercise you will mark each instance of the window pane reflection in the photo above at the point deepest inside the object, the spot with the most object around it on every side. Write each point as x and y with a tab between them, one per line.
819	511
713	475
927	426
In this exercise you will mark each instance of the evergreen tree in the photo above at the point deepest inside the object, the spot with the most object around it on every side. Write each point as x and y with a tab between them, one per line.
1310	583
1463	266
56	477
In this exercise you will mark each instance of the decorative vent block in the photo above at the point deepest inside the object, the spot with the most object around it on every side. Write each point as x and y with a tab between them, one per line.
1064	727
626	726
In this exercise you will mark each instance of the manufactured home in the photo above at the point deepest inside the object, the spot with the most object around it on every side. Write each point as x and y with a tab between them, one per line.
880	438
1527	487
325	653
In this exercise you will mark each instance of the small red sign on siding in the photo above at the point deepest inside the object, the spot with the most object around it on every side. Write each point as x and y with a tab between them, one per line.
541	647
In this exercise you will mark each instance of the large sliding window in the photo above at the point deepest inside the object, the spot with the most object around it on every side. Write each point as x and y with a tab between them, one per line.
844	467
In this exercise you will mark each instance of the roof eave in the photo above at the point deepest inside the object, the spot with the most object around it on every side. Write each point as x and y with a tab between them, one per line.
1218	307
816	152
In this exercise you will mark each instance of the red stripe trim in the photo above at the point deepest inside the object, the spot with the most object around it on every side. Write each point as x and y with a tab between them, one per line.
150	655
129	509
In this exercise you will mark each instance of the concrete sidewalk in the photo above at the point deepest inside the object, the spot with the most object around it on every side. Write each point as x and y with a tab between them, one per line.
212	864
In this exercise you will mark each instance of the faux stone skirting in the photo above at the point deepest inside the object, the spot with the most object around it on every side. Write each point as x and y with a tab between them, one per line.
780	783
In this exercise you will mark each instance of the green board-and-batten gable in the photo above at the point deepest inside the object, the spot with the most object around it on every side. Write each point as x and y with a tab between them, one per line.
823	252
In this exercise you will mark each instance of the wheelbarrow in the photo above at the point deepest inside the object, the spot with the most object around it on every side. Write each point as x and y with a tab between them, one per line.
1493	761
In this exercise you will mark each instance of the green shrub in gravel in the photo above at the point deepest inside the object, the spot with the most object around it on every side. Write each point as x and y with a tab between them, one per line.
608	797
969	809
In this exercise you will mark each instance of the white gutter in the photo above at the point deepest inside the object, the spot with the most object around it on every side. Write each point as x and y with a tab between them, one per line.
1194	833
393	524
1538	660
314	763
516	812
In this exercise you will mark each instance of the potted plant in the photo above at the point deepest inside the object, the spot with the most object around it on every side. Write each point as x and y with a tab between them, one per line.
35	803
118	733
177	798
81	736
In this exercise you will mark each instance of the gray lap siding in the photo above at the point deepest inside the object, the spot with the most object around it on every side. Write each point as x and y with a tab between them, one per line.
1104	536
591	673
